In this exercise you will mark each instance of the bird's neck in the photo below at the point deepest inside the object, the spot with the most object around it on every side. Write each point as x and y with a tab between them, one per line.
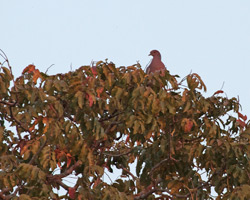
157	57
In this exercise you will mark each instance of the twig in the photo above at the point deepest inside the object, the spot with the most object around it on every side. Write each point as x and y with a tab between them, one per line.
143	195
111	116
118	155
126	170
48	68
8	103
66	173
156	166
18	122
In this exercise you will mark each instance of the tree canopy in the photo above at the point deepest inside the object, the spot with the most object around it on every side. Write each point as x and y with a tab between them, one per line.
89	122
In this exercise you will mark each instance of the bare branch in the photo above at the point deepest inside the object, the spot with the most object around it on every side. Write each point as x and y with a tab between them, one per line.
126	170
8	103
156	166
66	173
18	122
117	155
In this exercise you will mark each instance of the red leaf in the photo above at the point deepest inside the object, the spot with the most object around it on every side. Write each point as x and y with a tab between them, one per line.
97	182
218	92
72	193
241	123
29	68
69	158
99	91
90	101
244	117
188	125
127	139
94	71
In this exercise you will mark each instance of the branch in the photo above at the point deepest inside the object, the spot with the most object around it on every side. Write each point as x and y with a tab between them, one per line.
118	155
62	184
175	195
143	195
66	173
8	103
147	191
126	170
4	191
15	192
18	122
111	116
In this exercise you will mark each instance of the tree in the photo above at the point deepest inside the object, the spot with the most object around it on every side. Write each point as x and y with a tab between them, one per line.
95	119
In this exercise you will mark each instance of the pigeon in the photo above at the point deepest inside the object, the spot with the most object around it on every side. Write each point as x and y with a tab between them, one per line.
156	63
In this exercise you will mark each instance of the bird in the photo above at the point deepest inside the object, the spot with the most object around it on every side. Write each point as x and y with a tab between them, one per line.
156	63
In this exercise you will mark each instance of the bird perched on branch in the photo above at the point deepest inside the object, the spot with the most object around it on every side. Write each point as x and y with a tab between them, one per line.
156	63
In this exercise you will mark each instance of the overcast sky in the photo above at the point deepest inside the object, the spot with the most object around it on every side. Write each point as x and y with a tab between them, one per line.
211	38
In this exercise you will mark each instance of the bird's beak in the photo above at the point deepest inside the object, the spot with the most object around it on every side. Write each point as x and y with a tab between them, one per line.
149	54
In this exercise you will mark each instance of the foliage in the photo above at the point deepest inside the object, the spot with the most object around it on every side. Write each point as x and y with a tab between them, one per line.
97	119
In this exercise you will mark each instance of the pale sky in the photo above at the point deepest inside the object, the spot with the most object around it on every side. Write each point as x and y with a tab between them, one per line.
211	38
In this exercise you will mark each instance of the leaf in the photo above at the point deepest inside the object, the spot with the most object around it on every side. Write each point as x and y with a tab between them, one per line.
24	197
244	117
99	90
90	100
79	96
187	125
72	193
90	158
94	70
8	73
119	92
187	107
218	92
97	182
29	69
36	75
241	123
46	121
69	159
171	108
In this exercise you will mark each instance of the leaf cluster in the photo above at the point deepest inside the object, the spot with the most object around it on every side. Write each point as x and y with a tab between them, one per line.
101	118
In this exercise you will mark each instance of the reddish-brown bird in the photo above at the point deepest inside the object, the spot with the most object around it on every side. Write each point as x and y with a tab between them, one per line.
156	63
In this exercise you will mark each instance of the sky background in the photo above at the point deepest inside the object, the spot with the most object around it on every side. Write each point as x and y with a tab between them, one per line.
211	38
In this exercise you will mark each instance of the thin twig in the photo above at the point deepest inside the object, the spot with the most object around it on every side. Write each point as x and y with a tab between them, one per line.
18	122
156	166
118	155
66	173
8	103
111	116
126	170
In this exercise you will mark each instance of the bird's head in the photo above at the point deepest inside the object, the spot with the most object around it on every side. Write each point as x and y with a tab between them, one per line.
155	53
